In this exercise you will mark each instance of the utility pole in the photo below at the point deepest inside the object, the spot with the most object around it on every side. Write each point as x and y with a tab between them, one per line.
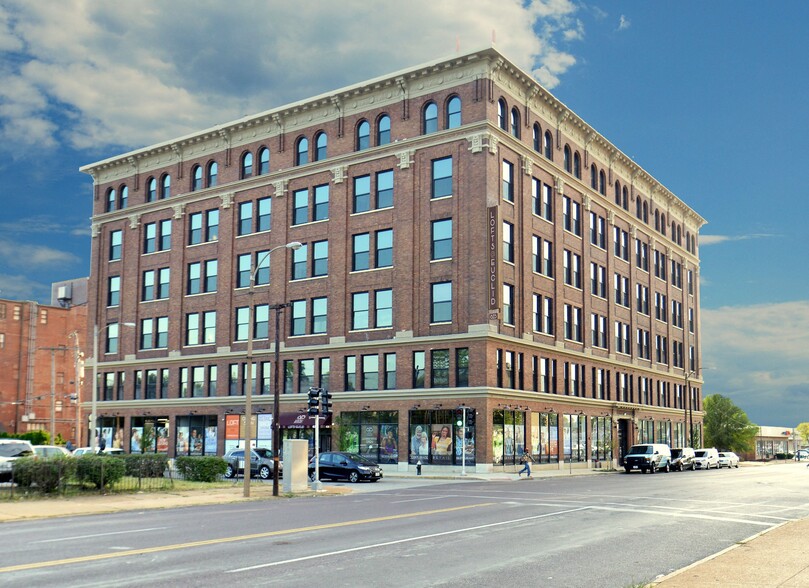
53	351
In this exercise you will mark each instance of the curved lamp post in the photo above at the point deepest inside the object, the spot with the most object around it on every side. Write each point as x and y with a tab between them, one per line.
248	393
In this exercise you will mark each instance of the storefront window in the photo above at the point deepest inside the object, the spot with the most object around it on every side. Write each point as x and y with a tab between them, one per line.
575	437
372	434
435	438
508	436
196	435
646	431
602	438
545	437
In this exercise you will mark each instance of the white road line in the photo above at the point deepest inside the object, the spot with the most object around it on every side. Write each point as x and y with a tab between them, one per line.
687	515
419	499
400	541
127	532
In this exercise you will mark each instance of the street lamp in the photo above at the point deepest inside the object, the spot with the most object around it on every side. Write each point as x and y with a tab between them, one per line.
687	408
248	393
94	384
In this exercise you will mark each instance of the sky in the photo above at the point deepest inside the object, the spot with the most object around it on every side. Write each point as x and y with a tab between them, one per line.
710	98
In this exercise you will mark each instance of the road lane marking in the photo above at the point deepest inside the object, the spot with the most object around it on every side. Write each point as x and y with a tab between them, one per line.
687	515
127	532
407	540
206	542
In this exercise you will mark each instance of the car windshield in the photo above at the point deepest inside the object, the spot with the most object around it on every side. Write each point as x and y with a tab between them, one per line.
699	453
641	450
14	449
676	453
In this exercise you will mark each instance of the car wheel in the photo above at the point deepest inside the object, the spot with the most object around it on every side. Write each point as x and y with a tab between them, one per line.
737	465
627	470
264	472
652	468
353	477
229	471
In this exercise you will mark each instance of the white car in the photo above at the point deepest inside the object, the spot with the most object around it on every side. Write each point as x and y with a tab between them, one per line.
50	450
706	458
87	450
728	459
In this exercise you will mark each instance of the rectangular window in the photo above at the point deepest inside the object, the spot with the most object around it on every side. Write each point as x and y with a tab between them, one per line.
571	215
390	371
462	367
298	322
116	243
264	219
439	368
621	290
441	185
163	283
147	288
441	304
508	242
642	255
242	318
362	194
361	252
622	338
572	323
508	181
306	375
212	225
209	327
194	282
321	211
547	203
621	243
150	237
211	274
192	329
320	258
384	248
598	327
660	264
195	228
419	364
165	235
360	310
384	189
245	218
351	373
113	290
261	325
320	309
112	338
243	270
299	262
383	310
441	239
508	304
548	322
643	344
370	372
642	299
598	280
572	268
598	230
300	210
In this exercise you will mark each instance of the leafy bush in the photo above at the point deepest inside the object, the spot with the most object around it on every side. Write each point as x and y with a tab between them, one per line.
145	465
33	437
47	474
201	469
99	470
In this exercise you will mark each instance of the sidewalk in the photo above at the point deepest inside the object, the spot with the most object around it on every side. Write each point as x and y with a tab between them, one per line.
774	558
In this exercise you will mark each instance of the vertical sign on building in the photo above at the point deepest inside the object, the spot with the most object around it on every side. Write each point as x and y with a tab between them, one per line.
494	298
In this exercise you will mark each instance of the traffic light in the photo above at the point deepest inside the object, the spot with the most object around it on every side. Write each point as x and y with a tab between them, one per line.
314	401
459	417
470	417
325	402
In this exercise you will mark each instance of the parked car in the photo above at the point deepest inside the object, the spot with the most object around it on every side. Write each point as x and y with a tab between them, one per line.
343	465
801	454
682	458
108	451
706	458
648	457
261	463
10	451
728	459
50	451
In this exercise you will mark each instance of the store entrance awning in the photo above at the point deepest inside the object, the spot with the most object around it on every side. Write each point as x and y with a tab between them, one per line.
296	420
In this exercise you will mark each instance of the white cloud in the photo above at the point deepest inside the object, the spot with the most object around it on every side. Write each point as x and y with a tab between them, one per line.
718	239
623	23
96	74
759	355
18	287
32	256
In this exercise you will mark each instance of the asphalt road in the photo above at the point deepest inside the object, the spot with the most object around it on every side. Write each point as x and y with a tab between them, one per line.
612	530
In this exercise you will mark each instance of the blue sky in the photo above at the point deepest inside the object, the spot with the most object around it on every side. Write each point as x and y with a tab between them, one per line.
711	98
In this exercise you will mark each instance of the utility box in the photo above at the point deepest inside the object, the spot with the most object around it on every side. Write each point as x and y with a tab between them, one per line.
296	465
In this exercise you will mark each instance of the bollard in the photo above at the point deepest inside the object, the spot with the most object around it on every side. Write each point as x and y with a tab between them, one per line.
418	468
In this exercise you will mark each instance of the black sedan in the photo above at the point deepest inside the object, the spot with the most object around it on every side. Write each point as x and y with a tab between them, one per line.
339	465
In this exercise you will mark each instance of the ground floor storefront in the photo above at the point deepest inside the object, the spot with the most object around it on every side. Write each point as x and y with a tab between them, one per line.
471	428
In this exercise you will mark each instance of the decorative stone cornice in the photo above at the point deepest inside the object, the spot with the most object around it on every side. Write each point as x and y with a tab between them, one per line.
227	200
339	174
280	188
405	158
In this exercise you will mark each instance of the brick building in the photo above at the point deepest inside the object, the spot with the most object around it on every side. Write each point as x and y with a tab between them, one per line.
37	393
467	240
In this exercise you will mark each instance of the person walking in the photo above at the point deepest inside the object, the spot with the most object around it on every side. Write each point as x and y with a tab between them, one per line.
526	467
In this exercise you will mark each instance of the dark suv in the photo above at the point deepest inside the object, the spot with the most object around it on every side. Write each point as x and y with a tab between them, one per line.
682	459
341	465
261	463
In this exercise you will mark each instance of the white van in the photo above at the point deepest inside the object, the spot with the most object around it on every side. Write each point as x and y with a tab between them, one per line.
649	457
706	458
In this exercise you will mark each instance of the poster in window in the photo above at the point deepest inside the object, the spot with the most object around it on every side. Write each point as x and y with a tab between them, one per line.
389	451
134	440
441	444
419	444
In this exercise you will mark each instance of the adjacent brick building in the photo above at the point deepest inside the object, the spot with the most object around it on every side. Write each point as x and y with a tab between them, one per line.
467	240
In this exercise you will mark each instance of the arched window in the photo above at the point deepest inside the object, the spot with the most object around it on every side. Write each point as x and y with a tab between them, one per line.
363	135
165	190
383	130
321	142
657	220
663	224
430	118
679	234
568	161
302	151
547	145
151	190
501	114
602	182
124	198
617	192
625	198
537	137
112	197
515	122
213	173
646	213
196	178
453	112
263	161
577	165
247	165
639	209
594	177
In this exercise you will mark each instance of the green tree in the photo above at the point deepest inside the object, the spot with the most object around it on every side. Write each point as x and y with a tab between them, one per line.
803	431
727	426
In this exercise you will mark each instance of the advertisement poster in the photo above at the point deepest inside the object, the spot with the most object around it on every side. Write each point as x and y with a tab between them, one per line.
369	441
210	440
389	450
117	438
441	444
106	438
195	441
264	434
182	440
232	426
134	440
419	444
163	438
